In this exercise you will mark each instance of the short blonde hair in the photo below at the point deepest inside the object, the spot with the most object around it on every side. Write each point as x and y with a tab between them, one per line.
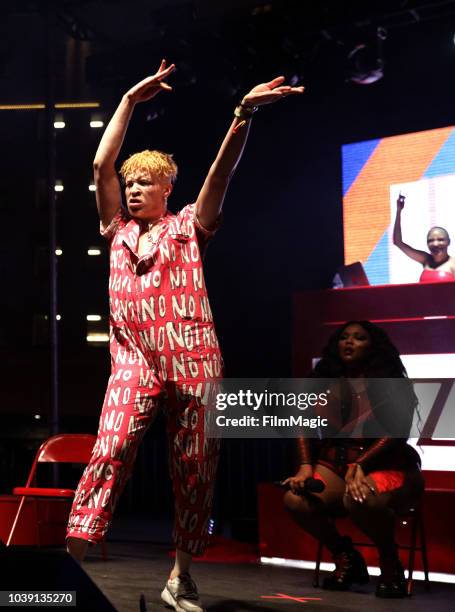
156	163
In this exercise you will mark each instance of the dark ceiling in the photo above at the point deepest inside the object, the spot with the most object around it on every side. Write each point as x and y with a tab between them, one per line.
102	45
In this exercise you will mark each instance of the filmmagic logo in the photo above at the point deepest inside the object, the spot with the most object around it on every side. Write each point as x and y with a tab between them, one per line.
269	420
266	399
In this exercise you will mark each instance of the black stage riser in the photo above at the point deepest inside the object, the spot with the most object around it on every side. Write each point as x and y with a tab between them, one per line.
31	569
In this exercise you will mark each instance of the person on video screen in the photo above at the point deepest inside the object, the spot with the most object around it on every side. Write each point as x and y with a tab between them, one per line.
366	478
438	265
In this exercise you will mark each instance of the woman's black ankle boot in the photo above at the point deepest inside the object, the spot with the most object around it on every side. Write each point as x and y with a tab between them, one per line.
350	568
392	583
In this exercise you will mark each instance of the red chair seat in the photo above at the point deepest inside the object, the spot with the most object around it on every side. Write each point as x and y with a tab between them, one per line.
42	492
61	448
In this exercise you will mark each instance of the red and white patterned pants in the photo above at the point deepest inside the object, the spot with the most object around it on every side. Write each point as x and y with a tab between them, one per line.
135	392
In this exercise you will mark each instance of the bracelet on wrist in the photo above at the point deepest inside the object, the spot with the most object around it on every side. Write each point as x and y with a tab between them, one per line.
244	112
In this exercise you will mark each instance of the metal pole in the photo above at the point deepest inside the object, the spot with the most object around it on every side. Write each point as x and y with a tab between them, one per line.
50	159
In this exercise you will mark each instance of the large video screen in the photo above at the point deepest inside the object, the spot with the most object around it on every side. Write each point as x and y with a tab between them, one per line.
420	166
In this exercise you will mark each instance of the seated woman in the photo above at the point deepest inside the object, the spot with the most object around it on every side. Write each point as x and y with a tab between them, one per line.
438	265
365	477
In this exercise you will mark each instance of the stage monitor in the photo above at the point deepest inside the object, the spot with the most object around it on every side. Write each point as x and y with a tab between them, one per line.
419	165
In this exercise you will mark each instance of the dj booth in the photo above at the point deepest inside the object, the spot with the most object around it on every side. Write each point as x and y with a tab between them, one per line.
419	318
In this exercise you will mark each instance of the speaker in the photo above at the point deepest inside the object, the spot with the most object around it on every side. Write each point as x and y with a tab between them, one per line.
32	569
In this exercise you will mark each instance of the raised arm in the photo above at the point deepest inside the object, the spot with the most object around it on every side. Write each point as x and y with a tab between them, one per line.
108	195
211	196
408	250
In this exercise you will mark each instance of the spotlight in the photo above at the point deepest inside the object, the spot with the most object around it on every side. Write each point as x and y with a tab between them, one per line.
93	317
96	124
59	125
58	186
366	62
97	338
94	252
92	187
58	252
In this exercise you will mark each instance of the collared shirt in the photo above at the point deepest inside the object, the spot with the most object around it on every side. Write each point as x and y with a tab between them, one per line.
161	296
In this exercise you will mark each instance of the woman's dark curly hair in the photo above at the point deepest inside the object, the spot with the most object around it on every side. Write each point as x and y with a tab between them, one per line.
382	361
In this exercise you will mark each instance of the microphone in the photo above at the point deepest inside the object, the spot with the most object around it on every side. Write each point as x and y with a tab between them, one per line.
311	485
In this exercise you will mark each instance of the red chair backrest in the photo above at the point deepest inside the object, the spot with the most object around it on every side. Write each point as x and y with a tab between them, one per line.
67	448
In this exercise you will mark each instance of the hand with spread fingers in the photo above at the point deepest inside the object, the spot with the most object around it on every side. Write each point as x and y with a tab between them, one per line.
267	93
148	88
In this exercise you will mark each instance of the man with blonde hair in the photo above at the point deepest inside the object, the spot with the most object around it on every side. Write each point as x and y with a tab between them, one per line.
164	349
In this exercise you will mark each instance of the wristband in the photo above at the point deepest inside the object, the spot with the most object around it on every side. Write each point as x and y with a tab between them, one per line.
244	112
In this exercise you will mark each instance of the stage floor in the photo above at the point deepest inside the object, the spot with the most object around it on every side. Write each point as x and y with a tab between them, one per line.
137	567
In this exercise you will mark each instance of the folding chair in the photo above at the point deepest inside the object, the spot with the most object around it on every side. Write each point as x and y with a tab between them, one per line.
62	448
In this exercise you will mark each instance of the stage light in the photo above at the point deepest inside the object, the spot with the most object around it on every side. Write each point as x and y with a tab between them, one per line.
59	125
58	186
22	106
37	417
41	106
92	187
98	338
94	252
96	124
365	61
58	317
366	67
77	105
58	252
93	317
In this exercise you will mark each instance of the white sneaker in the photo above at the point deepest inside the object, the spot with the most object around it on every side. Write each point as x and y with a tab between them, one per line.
181	594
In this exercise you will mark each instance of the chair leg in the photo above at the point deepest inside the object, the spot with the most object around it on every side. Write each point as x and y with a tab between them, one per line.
16	518
38	542
423	552
318	565
412	551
